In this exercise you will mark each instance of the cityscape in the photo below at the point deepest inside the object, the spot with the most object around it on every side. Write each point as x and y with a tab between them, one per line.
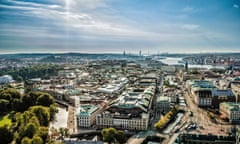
119	72
120	98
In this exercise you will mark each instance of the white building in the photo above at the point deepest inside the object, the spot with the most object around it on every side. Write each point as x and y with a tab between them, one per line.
6	79
86	115
231	111
107	119
130	111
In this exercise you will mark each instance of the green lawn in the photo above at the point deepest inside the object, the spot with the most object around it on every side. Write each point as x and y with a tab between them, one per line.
4	120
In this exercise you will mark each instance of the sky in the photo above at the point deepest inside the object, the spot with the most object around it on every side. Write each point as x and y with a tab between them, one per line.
114	26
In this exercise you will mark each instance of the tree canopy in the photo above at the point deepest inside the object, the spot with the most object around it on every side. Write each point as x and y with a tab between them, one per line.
112	135
30	116
34	71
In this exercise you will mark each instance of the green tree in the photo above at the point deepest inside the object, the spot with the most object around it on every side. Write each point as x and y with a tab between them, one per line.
16	105
30	130
6	136
12	92
34	120
34	96
37	140
3	105
24	118
121	137
27	101
45	99
13	97
42	113
64	132
5	95
43	133
109	134
26	140
53	110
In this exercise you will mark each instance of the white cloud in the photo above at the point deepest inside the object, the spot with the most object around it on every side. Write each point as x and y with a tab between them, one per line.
26	31
77	5
33	4
16	7
236	6
190	26
79	24
83	23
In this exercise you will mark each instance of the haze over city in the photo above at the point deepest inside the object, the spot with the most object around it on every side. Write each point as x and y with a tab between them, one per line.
114	26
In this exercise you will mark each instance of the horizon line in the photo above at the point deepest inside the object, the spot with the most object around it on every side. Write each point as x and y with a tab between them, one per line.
127	53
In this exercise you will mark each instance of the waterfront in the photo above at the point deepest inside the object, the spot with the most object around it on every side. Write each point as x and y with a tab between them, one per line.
179	61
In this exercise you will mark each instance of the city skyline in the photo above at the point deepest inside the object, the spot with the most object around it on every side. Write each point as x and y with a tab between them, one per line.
107	26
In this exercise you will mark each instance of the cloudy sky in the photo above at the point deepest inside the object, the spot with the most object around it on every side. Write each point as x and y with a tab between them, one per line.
112	26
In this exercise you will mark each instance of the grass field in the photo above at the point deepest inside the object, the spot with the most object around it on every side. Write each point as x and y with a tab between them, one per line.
4	120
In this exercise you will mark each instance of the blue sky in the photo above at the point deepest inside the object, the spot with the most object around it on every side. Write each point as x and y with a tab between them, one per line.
112	26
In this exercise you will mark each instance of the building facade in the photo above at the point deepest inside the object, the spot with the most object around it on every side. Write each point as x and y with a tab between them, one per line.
163	105
205	94
122	121
202	92
130	111
86	115
231	111
235	86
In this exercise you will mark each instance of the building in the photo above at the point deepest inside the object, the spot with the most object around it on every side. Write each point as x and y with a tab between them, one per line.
31	84
207	95
235	86
130	111
81	142
186	66
219	96
172	93
204	139
86	115
6	79
170	69
189	75
202	92
123	121
231	111
162	105
238	135
114	88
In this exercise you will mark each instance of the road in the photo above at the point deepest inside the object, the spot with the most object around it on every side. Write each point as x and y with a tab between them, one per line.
204	124
71	123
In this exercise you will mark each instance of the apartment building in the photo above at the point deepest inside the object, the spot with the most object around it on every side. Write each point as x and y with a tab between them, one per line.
130	111
231	110
86	115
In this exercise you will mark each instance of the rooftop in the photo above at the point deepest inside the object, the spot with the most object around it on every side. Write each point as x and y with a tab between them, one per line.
87	110
201	84
163	99
227	92
231	106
